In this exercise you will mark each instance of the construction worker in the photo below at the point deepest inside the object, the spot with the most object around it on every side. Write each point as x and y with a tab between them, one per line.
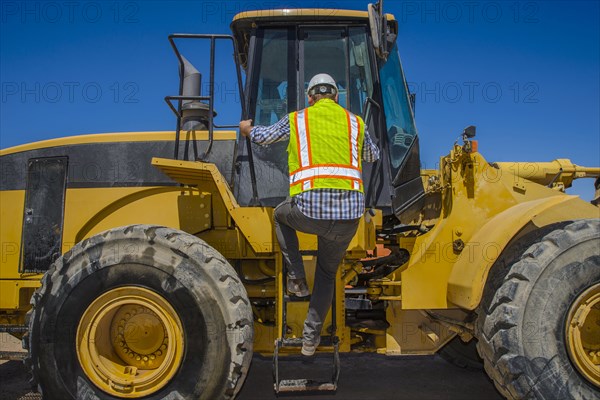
326	144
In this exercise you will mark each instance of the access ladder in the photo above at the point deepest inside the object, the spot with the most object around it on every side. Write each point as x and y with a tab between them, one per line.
292	345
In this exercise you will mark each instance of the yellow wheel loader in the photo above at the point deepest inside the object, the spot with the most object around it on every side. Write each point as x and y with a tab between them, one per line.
145	265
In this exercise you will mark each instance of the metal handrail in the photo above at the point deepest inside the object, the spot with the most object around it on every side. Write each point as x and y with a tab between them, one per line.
210	99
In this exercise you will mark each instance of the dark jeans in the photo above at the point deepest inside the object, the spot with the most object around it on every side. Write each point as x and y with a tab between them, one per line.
333	239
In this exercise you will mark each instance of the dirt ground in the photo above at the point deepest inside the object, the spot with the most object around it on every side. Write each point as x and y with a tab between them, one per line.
13	376
363	376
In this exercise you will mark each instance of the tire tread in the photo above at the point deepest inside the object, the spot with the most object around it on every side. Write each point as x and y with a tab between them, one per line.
239	328
498	321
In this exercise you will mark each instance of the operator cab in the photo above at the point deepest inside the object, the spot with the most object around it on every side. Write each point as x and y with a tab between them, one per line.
281	50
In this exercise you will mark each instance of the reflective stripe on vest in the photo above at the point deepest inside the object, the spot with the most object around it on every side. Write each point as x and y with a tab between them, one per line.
353	132
330	172
303	144
326	171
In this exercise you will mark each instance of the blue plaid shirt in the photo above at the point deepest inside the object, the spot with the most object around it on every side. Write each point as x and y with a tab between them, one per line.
320	203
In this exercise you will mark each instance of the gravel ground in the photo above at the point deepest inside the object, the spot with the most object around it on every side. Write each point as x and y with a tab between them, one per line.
363	376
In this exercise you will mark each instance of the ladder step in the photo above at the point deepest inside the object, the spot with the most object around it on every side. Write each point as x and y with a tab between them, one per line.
325	342
13	355
305	385
291	342
290	298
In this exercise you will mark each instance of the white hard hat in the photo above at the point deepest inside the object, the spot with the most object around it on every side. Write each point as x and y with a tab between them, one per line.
319	85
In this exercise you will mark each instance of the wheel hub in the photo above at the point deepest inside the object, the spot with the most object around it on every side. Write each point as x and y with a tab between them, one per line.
130	342
140	336
583	334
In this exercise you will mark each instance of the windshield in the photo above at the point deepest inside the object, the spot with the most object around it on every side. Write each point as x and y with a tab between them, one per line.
340	52
400	123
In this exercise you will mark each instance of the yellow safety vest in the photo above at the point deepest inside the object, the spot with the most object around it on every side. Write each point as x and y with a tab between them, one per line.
325	148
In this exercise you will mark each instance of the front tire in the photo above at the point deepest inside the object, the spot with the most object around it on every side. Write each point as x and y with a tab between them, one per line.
525	326
141	311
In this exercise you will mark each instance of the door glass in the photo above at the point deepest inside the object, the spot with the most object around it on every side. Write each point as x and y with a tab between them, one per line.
325	51
361	79
271	95
400	124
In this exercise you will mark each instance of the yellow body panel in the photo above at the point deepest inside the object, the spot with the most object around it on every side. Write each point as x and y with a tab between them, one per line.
114	137
251	220
93	210
413	332
485	208
87	212
470	271
11	215
16	293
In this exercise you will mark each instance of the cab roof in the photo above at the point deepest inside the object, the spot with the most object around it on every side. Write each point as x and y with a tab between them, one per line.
302	14
243	23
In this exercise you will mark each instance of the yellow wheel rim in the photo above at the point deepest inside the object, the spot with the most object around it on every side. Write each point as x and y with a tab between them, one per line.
583	334
130	342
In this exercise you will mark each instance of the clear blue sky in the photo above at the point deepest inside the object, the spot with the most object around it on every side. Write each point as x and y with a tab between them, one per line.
526	73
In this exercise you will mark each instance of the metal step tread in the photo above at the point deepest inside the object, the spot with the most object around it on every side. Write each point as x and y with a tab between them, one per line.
291	342
326	342
13	355
305	385
290	298
14	328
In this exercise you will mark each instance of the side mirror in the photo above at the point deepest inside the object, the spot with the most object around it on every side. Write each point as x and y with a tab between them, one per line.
378	25
469	132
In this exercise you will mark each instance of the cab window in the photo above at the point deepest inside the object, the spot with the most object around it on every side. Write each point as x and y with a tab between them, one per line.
400	123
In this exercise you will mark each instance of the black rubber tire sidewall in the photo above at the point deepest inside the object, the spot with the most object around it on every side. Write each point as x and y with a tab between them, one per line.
190	284
544	324
521	323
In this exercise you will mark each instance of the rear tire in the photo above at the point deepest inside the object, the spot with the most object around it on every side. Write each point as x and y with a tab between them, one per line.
523	325
184	292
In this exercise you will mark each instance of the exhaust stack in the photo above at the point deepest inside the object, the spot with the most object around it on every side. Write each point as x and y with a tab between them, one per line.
194	113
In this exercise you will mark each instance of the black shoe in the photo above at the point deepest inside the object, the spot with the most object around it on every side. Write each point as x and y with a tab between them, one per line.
297	287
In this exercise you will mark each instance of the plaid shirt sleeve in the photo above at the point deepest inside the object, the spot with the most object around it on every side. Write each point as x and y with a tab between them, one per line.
370	151
264	135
